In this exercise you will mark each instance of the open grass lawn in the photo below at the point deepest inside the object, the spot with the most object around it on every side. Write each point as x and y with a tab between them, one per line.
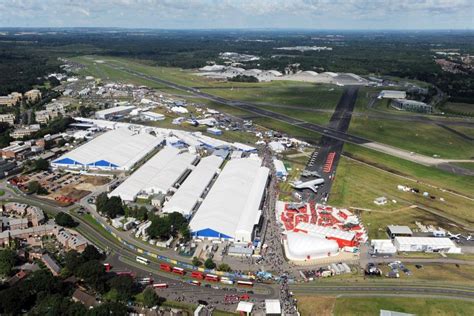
429	175
316	305
330	305
420	138
320	118
357	185
278	92
418	306
461	108
285	93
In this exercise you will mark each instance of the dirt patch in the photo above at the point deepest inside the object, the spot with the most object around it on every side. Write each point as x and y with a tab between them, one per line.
316	305
96	181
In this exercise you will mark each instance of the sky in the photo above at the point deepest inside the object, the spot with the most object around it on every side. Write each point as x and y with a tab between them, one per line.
218	14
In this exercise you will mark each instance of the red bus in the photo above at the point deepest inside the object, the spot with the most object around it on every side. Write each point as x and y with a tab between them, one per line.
178	270
160	285
245	283
108	267
197	275
212	278
165	267
194	282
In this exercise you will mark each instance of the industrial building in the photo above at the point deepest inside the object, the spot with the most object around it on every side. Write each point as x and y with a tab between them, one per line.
151	116
157	175
399	231
412	106
300	247
189	194
392	94
111	112
118	149
426	244
232	208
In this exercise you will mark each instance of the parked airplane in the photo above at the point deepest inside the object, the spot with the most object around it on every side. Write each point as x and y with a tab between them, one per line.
312	184
453	236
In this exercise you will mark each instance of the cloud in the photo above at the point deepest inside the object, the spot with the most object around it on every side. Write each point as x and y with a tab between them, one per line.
242	13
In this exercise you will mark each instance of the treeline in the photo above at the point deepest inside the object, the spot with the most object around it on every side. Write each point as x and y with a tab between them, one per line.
41	293
403	54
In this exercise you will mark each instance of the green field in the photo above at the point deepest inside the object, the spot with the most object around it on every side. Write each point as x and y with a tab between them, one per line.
429	175
357	185
425	139
322	306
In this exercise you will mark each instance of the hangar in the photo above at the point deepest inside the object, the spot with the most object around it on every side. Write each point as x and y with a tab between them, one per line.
231	209
189	193
119	149
157	175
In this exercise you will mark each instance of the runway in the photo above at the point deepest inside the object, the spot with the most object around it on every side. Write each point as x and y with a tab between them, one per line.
325	131
331	148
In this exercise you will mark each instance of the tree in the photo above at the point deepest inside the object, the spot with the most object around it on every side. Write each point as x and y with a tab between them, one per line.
35	188
150	298
65	220
91	253
41	164
7	261
196	262
159	228
110	207
185	233
100	201
209	264
224	267
93	273
123	286
72	260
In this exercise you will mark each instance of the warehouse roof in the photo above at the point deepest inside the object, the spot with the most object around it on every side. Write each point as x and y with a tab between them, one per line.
115	109
429	241
120	148
399	230
157	175
193	187
231	208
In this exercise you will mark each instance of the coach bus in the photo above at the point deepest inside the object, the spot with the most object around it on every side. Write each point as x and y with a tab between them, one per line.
245	283
160	285
194	282
143	260
226	280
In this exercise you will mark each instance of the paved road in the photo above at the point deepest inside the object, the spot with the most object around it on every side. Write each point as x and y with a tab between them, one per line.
313	288
325	131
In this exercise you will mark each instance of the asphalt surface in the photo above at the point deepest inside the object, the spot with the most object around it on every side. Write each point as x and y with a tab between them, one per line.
339	121
378	289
